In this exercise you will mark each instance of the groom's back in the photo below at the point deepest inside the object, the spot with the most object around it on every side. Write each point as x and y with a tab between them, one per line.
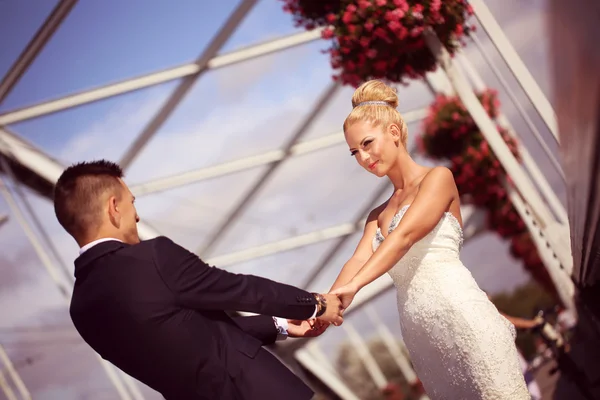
124	310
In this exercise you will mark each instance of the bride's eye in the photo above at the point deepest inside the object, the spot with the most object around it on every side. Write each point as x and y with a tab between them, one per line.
352	153
367	142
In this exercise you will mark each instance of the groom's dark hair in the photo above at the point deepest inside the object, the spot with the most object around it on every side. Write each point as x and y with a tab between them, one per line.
78	194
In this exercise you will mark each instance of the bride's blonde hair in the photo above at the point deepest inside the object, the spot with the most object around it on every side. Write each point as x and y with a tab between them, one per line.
376	102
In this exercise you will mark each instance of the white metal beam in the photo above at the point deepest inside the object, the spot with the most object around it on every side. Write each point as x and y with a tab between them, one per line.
186	84
261	181
516	65
35	45
230	167
6	389
307	239
12	372
515	100
279	246
535	172
561	277
156	78
326	375
366	357
523	184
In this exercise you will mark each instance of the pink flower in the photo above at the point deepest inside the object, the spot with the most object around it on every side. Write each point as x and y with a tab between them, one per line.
381	3
371	53
416	31
327	33
363	4
369	26
402	5
351	8
331	18
347	17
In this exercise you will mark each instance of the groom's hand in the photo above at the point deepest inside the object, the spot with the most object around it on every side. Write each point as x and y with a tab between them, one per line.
306	329
333	312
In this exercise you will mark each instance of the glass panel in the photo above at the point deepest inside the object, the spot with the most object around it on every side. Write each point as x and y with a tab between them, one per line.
291	267
189	214
102	42
36	329
104	129
53	361
242	110
310	192
503	274
18	24
266	21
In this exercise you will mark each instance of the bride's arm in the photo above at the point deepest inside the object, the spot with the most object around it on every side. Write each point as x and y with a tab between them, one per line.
363	251
436	193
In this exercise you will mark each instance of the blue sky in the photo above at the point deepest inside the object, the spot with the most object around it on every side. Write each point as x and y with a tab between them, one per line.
237	111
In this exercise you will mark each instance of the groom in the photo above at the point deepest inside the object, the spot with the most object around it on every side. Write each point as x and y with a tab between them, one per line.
158	312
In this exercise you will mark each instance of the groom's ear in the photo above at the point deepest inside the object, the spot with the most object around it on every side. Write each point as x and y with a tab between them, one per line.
113	211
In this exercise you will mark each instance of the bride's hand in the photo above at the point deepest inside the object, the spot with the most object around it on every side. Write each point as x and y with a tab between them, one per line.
346	294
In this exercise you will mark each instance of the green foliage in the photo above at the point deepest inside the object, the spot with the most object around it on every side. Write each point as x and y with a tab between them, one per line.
524	302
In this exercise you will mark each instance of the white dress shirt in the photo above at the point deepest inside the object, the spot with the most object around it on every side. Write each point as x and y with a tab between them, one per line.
280	323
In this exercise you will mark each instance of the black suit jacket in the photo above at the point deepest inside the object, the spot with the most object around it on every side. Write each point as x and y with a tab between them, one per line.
157	312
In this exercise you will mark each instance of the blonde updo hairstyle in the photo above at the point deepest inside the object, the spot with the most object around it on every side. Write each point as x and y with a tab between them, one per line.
377	114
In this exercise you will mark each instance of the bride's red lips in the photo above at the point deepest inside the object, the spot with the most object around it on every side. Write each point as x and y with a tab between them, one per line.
372	165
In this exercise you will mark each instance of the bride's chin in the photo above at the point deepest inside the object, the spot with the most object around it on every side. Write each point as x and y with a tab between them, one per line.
378	173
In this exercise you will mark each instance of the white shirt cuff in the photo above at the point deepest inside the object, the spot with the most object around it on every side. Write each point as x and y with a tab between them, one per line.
282	325
315	313
282	328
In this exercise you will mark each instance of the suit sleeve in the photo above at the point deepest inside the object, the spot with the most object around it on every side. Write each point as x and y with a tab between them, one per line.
200	286
262	327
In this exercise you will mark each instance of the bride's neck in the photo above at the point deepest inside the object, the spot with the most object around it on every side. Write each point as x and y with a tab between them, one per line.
404	172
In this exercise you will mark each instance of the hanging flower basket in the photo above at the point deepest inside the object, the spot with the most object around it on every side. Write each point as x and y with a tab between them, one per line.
450	133
310	14
383	39
449	128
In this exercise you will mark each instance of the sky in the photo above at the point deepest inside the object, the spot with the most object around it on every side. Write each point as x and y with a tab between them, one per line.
237	111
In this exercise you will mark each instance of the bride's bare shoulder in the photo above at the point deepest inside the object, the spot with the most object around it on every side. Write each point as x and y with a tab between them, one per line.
438	174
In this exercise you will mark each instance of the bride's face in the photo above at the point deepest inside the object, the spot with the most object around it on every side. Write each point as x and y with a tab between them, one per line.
374	147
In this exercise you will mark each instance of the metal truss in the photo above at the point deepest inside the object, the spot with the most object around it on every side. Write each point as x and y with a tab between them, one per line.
188	82
516	65
29	54
242	164
46	169
152	79
249	196
14	375
550	227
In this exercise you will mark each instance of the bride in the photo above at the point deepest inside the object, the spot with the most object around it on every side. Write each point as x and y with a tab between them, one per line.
460	345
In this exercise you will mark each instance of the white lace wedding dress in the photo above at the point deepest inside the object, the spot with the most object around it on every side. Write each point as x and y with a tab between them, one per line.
460	345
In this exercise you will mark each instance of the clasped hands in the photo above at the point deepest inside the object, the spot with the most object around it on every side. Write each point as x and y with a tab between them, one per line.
338	301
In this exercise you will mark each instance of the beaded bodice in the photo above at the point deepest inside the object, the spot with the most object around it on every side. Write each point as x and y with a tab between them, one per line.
445	239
